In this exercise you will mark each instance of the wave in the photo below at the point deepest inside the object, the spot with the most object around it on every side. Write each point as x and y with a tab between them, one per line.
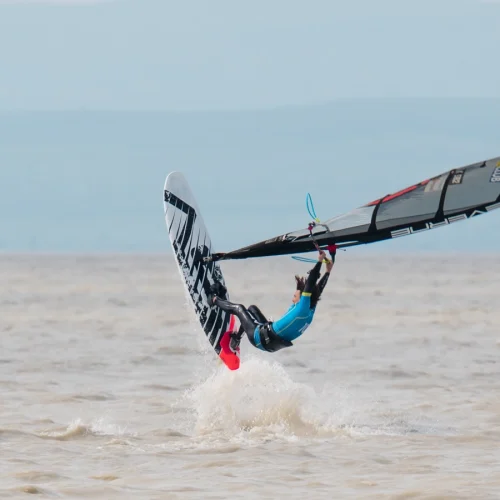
36	476
78	429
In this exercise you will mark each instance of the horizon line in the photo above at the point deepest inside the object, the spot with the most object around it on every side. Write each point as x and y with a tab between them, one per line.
169	253
278	107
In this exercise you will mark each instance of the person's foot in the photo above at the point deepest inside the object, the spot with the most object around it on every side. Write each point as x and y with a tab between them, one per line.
211	298
234	342
220	289
217	289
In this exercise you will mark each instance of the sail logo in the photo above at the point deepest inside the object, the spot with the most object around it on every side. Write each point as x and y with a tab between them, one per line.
447	220
495	176
457	178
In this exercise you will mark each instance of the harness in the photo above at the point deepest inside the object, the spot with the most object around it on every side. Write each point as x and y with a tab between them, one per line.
267	339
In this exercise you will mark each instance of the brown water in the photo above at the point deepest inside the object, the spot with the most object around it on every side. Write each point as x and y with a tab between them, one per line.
110	390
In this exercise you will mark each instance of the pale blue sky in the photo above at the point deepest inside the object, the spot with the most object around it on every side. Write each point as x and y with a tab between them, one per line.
227	54
93	181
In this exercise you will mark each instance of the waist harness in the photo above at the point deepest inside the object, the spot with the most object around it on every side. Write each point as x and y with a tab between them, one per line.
270	341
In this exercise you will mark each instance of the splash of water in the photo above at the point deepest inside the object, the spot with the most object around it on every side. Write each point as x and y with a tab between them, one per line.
259	397
260	400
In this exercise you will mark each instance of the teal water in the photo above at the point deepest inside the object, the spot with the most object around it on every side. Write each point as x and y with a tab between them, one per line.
88	181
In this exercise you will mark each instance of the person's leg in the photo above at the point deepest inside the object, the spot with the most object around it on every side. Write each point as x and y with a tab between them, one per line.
247	322
257	314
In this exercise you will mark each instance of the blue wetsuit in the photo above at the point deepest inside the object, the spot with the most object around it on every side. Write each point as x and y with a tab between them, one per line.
296	320
290	326
272	336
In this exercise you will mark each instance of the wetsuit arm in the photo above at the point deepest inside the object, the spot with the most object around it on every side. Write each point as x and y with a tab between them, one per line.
322	282
324	279
312	278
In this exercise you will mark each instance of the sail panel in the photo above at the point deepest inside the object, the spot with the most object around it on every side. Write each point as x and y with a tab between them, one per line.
353	222
357	220
417	205
476	185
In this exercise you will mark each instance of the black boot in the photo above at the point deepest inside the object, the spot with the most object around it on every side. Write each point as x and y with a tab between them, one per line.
211	298
217	289
235	339
234	342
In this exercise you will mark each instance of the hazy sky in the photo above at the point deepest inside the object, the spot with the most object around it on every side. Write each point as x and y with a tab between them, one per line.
200	54
90	182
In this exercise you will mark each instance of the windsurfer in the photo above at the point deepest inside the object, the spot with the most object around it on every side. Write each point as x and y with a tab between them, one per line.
273	336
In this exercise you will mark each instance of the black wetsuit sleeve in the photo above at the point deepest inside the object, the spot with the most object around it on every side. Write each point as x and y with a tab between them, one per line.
322	283
312	278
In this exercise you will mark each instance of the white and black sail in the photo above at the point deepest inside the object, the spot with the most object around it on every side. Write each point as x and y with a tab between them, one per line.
455	195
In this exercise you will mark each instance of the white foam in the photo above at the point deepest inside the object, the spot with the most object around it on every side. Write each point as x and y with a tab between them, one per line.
260	401
258	398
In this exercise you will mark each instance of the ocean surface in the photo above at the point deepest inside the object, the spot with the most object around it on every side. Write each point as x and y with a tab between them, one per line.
109	390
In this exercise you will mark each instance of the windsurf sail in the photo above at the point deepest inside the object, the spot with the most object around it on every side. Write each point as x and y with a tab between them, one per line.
455	195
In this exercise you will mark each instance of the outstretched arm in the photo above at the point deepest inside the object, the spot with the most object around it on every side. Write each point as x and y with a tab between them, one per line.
324	279
322	282
314	274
